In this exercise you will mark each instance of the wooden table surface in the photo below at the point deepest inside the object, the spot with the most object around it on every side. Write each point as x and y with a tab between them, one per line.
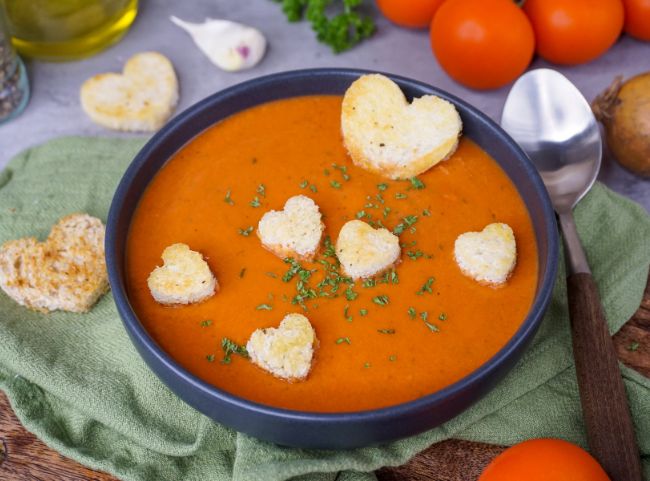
23	457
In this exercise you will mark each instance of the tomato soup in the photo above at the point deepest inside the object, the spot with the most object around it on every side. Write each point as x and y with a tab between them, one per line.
381	342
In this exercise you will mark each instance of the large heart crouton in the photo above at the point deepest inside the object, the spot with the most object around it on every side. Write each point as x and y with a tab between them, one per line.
66	272
364	251
184	277
390	137
285	351
294	231
142	98
489	256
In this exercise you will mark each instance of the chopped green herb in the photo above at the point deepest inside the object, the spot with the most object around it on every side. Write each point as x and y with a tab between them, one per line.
380	198
386	211
326	172
415	255
412	312
341	340
369	283
424	315
272	274
346	313
442	316
210	357
633	346
381	300
426	213
228	200
366	365
261	190
431	327
406	222
386	331
426	287
400	196
313	188
363	312
344	171
382	187
392	358
370	205
361	214
242	273
264	307
350	295
255	202
335	183
246	232
206	323
416	183
303	184
230	347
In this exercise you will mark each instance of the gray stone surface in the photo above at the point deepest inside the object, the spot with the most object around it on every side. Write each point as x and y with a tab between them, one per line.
54	107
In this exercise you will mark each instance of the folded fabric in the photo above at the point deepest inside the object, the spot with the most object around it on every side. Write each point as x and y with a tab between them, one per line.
76	381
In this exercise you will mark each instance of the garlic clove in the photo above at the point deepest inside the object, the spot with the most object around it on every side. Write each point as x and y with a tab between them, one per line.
231	46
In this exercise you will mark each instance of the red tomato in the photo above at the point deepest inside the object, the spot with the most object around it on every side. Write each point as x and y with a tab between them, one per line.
483	44
544	460
409	13
637	18
575	31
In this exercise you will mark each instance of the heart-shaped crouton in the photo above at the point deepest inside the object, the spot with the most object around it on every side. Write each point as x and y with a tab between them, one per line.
364	251
294	231
66	272
386	135
285	351
184	277
488	256
142	98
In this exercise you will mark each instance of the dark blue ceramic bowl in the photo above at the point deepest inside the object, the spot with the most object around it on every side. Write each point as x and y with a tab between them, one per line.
310	429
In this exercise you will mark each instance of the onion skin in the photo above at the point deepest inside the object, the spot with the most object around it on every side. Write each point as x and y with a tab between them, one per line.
624	110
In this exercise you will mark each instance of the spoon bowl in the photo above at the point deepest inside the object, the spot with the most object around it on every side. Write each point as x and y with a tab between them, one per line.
551	120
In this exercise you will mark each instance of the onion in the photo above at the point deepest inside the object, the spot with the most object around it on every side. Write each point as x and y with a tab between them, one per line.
624	110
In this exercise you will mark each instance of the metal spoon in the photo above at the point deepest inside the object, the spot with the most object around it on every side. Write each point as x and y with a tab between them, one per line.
551	120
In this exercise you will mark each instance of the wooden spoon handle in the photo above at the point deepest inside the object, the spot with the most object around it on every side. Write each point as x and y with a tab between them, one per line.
610	431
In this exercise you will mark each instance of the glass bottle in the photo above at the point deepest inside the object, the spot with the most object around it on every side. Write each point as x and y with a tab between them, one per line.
67	29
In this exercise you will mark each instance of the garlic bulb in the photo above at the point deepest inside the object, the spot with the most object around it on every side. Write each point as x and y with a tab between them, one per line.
229	45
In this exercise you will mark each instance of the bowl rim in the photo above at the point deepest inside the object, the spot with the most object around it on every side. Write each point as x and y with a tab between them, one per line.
135	328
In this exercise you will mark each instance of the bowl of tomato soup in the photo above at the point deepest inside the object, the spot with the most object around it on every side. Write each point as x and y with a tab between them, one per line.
398	354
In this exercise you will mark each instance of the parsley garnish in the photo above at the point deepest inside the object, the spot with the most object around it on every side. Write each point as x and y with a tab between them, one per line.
341	340
272	274
363	312
442	316
381	300
386	211
255	202
426	213
633	346
426	287
261	190
415	255
210	357
303	184
412	312
382	187
246	232
344	171
227	199
416	183
206	323
406	222
366	365
313	188
369	283
229	348
400	196
350	295
386	331
431	327
392	358
346	313
361	214
424	315
335	183
264	307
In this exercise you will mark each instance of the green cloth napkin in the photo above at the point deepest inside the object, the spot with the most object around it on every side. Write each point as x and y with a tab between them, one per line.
76	381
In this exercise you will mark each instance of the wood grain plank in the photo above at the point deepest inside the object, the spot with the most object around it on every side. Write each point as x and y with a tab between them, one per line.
25	458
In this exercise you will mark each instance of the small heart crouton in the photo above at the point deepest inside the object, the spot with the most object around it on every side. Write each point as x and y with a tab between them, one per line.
66	272
285	351
294	231
386	135
488	256
364	251
141	99
184	277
